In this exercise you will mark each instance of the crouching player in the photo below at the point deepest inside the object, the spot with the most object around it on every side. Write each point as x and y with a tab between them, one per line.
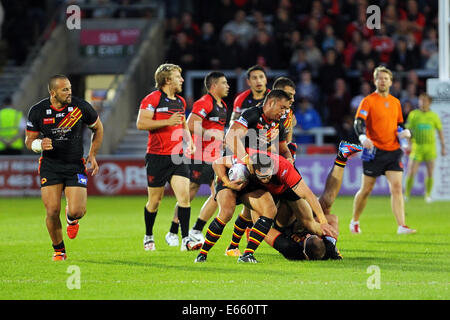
290	235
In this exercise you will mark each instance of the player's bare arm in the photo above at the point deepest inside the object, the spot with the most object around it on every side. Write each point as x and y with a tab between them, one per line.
146	122
96	142
303	191
233	140
33	142
187	136
220	167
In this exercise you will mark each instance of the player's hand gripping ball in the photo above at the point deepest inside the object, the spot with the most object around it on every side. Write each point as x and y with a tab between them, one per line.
238	172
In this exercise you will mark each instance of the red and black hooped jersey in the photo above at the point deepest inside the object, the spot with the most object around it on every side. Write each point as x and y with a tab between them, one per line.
262	132
245	100
166	140
63	126
214	117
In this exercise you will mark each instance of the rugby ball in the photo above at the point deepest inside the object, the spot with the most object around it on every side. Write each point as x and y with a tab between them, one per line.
238	171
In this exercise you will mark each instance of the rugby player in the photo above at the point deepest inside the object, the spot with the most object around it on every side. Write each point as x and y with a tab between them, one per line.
54	129
228	195
257	81
207	124
162	114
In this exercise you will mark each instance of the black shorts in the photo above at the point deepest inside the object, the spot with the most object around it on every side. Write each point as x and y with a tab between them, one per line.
250	187
288	195
54	172
160	168
383	161
202	173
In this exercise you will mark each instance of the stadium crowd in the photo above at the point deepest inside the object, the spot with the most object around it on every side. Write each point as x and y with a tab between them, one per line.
326	47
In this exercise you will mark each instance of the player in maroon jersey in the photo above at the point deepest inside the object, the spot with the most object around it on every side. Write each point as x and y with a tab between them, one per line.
54	129
206	124
161	113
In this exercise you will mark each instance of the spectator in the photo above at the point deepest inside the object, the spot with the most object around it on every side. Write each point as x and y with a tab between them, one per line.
207	48
363	55
338	104
396	89
329	39
307	89
364	91
313	54
402	59
351	48
243	30
382	44
298	65
358	25
329	72
346	131
230	52
429	46
410	95
314	31
390	19
189	27
407	107
260	24
307	118
284	28
415	21
181	52
263	51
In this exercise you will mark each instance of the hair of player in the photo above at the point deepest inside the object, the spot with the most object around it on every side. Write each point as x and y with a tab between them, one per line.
164	72
276	94
261	161
314	248
382	69
282	82
256	67
211	78
52	81
426	96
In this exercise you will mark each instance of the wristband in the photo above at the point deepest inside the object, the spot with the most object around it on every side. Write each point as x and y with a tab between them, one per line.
362	138
36	145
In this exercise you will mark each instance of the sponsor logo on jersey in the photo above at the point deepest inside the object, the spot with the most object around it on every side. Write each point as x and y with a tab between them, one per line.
48	111
363	112
49	120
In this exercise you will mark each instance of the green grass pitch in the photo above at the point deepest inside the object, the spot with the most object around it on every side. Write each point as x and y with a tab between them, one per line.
109	254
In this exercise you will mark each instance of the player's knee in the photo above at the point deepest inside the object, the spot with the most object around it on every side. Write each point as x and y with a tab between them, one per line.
53	211
396	187
77	213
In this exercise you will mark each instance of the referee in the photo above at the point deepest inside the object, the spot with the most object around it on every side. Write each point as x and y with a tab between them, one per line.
54	129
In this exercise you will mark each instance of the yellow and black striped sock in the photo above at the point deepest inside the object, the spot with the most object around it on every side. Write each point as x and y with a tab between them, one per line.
257	234
240	225
213	234
340	161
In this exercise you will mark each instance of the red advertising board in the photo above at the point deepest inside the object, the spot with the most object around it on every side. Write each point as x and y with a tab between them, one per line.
109	37
117	176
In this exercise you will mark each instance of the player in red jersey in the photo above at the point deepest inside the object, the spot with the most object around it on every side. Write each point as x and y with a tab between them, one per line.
257	81
54	129
161	113
207	124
